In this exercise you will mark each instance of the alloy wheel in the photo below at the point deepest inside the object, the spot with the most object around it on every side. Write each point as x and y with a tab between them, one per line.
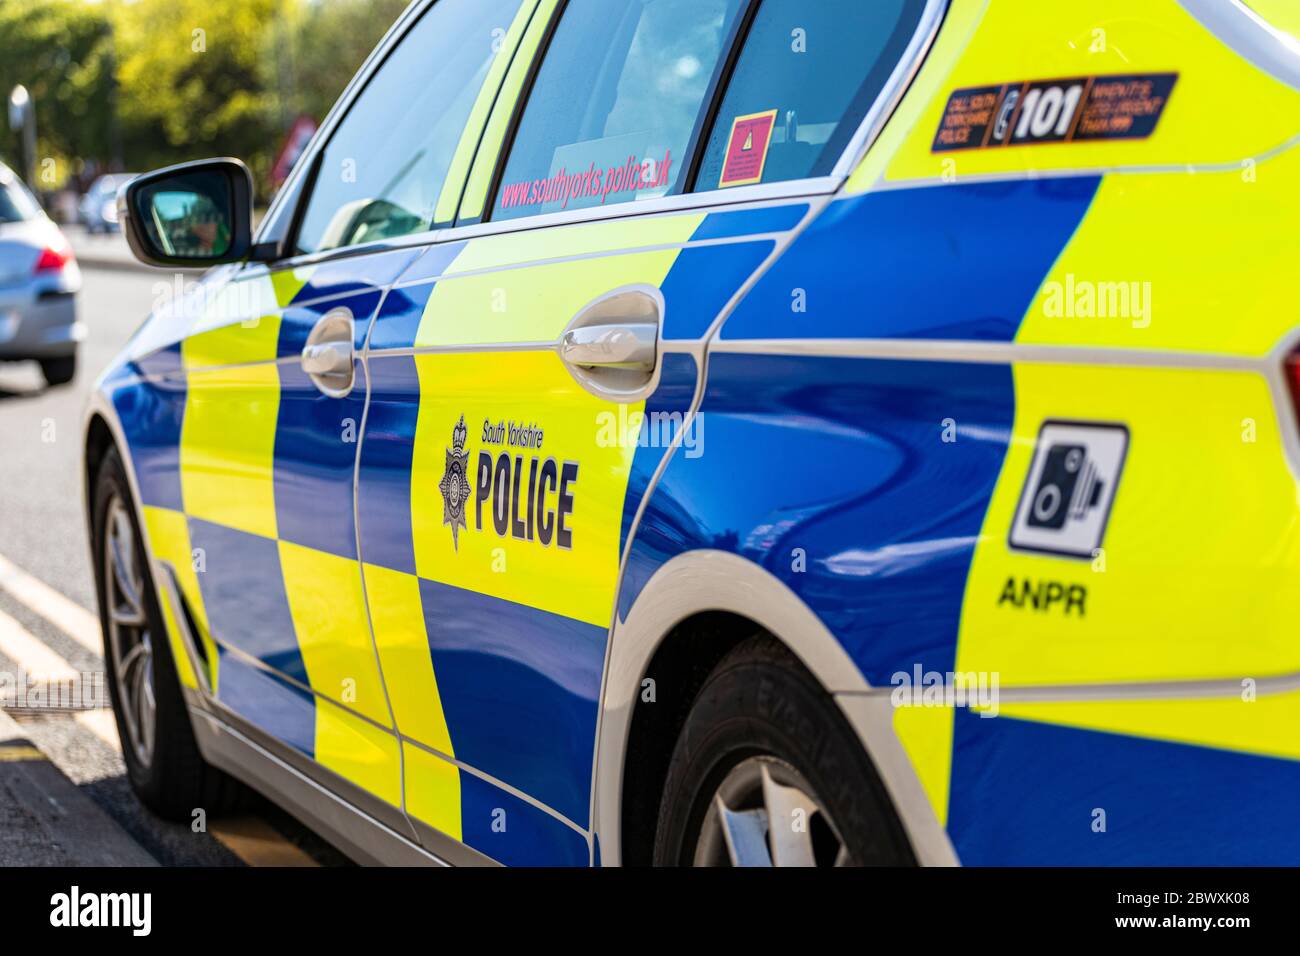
129	637
764	813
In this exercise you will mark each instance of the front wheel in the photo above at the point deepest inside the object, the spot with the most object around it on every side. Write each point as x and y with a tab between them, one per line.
163	763
768	772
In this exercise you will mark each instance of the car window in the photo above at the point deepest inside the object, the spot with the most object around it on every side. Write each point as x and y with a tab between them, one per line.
16	203
386	163
617	97
804	81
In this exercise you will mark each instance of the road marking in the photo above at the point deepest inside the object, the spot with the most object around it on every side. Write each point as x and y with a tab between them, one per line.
43	665
31	654
257	843
15	754
252	839
103	725
68	616
69	826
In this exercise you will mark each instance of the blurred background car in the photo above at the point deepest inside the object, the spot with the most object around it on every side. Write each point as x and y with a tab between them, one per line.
98	208
39	281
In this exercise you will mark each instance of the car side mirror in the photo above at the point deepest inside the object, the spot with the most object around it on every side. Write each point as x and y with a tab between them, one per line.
192	215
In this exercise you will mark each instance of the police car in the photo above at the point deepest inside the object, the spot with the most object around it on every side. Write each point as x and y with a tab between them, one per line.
732	432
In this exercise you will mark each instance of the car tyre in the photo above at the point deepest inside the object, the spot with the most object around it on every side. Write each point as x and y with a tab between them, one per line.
163	762
767	771
59	371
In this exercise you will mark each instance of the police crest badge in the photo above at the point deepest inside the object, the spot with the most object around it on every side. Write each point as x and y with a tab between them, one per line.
455	484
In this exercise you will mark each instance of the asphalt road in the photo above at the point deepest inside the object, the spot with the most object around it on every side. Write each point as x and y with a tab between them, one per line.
42	533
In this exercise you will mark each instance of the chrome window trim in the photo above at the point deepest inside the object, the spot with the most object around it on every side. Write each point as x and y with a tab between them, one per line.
891	94
684	202
718	199
1254	38
746	239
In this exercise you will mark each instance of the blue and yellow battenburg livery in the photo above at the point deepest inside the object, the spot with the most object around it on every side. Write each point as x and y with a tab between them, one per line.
1012	400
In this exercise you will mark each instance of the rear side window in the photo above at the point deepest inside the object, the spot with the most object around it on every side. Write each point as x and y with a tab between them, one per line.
804	81
617	98
384	169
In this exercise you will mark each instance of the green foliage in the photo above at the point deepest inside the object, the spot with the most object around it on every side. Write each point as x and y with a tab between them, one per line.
330	42
194	78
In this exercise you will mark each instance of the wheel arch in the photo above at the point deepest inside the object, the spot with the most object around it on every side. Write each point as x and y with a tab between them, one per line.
98	439
694	609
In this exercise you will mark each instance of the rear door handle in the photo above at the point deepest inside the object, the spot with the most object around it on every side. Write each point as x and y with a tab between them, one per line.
328	356
612	345
631	345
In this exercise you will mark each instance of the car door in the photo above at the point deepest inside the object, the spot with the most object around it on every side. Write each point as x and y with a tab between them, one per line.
527	375
274	406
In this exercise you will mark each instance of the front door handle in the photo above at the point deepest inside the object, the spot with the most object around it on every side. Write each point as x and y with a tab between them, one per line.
328	355
630	345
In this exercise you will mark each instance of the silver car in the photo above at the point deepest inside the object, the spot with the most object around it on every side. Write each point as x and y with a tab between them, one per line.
39	280
98	207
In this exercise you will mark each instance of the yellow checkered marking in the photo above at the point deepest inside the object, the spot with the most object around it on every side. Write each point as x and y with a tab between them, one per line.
1200	581
397	615
536	303
585	239
533	387
1212	255
169	537
227	458
433	790
232	404
228	447
329	617
926	734
1265	725
530	303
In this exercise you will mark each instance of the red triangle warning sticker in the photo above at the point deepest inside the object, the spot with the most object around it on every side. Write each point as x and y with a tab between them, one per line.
751	138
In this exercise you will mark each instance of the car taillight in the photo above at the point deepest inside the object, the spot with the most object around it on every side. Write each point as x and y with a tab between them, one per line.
1291	369
54	258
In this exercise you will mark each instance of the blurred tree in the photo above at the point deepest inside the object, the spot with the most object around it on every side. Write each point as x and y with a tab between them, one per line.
330	41
62	52
194	78
192	81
